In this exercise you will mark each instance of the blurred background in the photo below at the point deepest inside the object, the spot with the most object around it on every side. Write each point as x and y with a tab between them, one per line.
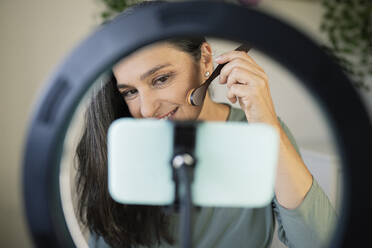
36	35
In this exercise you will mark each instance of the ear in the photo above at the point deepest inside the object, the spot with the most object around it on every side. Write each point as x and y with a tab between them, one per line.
206	58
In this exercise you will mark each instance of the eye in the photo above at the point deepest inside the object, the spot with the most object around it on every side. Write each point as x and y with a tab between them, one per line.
129	94
161	80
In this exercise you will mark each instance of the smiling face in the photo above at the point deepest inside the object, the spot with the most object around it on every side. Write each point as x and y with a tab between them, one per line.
155	80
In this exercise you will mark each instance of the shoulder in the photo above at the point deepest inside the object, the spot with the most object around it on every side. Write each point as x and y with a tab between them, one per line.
237	114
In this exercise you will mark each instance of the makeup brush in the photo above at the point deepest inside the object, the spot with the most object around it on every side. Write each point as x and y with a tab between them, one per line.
196	96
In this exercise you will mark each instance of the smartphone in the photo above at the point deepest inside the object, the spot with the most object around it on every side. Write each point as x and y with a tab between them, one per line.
236	163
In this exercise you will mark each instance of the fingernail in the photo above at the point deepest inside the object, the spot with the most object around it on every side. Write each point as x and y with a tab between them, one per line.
219	58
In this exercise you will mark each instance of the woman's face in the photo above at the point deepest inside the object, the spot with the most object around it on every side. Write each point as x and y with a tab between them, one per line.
155	80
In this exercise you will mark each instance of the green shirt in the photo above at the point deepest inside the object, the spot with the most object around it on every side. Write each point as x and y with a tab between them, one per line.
309	225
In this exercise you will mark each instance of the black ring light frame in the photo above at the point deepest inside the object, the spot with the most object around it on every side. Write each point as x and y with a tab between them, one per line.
346	113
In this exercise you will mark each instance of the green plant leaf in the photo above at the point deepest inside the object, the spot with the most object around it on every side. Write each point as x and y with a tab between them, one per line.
348	25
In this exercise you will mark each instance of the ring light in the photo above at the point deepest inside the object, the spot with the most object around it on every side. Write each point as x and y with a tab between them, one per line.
120	37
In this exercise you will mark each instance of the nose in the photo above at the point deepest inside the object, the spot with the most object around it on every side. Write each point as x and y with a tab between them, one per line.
149	105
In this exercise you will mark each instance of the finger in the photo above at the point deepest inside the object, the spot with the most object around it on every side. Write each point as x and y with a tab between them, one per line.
232	80
243	64
229	56
241	93
239	90
244	94
231	96
242	76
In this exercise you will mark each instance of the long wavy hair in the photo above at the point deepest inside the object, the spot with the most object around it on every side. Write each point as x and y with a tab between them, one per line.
118	224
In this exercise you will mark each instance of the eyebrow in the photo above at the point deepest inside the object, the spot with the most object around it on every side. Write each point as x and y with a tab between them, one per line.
146	74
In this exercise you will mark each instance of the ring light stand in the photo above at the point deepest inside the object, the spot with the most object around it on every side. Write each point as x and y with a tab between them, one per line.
105	47
183	163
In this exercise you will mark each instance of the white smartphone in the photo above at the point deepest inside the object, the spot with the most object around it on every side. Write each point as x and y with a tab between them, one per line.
236	163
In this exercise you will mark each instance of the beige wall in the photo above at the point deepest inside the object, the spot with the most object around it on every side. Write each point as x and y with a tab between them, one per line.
35	36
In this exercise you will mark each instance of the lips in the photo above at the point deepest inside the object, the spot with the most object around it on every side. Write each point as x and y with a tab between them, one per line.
168	115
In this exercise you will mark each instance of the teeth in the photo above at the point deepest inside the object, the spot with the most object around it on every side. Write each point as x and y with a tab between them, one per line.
167	116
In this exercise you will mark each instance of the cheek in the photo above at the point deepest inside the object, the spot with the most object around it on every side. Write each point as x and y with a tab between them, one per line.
177	94
134	108
178	91
189	82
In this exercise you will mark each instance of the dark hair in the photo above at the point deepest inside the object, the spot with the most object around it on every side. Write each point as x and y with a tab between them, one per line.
120	225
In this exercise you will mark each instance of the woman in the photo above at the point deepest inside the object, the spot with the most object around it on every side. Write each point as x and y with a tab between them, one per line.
153	83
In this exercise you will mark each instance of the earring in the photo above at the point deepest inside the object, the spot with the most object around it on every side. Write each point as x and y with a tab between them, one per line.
206	74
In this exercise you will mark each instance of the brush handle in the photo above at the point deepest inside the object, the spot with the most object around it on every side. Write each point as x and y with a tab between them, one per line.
196	96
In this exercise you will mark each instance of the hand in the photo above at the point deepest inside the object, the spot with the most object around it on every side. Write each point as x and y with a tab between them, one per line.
248	83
